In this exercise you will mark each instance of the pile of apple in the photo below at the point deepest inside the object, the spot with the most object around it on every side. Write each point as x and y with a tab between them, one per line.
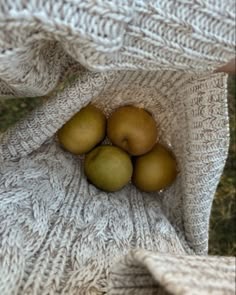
134	154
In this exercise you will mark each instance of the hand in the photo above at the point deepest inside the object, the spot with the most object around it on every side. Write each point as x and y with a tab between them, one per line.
229	68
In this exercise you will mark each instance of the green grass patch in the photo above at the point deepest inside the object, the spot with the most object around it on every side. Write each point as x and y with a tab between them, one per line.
222	239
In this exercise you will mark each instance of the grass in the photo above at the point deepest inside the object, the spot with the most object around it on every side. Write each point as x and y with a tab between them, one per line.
223	218
12	110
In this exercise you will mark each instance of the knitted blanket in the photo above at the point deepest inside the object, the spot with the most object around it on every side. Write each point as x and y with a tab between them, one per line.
58	233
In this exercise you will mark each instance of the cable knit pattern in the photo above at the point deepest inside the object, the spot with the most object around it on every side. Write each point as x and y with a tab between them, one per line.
61	232
193	36
58	233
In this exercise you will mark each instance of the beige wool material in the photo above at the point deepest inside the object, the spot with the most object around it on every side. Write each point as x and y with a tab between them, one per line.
58	233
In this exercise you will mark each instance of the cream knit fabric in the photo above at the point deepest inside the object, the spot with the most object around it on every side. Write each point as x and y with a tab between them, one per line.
154	273
61	235
195	36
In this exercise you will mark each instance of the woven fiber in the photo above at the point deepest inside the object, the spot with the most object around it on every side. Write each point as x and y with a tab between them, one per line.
144	272
193	36
58	233
52	219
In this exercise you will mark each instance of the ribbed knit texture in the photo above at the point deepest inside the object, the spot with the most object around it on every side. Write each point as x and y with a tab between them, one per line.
193	36
58	233
144	272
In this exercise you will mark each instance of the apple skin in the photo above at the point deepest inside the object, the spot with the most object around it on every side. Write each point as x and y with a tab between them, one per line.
155	170
108	167
83	131
133	129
